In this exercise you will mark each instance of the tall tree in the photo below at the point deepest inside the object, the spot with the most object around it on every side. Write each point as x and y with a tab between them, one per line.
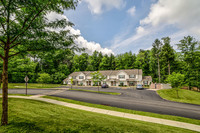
142	61
24	26
167	54
112	62
95	61
190	49
119	62
128	60
156	50
105	63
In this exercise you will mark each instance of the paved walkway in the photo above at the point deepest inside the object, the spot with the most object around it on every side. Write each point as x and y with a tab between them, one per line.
115	113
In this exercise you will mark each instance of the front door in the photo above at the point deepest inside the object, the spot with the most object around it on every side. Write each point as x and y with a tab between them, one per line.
113	83
88	83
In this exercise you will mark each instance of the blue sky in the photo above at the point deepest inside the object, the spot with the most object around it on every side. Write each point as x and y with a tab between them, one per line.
118	26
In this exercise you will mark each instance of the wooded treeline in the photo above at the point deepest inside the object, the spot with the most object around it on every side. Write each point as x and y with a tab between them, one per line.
159	62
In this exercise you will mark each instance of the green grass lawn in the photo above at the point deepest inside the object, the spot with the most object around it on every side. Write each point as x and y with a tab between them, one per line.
103	92
169	117
29	116
31	85
185	96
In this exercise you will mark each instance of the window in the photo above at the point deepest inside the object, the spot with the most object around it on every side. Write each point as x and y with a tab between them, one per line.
81	77
145	82
121	76
74	77
132	76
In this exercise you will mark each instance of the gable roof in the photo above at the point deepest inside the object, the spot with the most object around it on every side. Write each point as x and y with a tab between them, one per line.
75	74
147	78
133	71
106	72
110	72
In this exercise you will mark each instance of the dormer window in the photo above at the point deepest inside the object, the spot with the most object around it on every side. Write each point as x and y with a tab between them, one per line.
74	77
81	77
121	76
131	76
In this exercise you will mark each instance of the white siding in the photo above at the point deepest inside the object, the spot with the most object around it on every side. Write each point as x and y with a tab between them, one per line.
138	78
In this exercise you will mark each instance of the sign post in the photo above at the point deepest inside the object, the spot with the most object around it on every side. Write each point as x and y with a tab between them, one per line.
26	80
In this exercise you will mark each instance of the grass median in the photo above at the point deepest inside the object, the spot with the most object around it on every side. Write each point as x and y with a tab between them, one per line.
31	86
102	92
169	117
30	116
185	96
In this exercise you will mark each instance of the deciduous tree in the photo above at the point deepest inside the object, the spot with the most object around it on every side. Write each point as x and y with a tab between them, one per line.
97	78
24	26
176	80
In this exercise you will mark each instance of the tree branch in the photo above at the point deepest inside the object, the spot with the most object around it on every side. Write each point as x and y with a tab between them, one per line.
15	54
14	45
24	51
3	4
26	20
2	41
1	46
3	27
15	38
1	56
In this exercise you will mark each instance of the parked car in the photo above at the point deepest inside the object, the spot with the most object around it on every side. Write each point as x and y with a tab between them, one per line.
104	86
139	87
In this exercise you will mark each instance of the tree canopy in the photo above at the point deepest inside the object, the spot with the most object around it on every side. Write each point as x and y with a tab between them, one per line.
25	27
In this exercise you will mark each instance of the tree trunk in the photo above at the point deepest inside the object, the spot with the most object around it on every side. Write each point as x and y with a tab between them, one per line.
158	70
4	118
168	68
1	80
177	93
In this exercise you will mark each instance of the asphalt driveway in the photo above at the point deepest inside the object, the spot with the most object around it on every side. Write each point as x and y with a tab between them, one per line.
141	100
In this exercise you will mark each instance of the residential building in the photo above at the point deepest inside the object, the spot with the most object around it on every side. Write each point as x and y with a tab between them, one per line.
129	77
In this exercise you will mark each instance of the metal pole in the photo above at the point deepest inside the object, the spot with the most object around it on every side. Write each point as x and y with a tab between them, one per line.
26	88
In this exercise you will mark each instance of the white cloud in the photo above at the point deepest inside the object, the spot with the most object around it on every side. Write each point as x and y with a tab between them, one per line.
100	6
80	41
92	46
139	33
184	14
53	16
131	11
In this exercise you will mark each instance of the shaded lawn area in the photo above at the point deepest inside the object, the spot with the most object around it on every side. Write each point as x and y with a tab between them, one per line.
185	96
31	85
169	117
29	116
103	92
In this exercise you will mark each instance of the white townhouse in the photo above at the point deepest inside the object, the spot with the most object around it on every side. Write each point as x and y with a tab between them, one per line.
129	77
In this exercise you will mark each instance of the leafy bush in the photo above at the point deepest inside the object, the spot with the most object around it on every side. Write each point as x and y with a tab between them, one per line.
58	77
44	78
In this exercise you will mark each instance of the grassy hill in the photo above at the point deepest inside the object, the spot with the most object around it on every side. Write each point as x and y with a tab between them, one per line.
185	96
